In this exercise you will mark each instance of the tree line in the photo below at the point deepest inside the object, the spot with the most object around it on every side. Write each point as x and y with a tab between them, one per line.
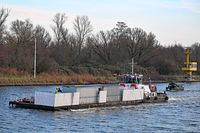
110	50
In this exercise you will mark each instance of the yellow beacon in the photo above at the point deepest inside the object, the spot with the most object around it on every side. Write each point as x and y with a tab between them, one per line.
189	66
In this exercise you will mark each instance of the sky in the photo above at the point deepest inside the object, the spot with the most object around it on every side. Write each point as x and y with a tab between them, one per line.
172	21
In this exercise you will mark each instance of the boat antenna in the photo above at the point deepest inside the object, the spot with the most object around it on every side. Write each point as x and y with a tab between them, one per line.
132	63
149	80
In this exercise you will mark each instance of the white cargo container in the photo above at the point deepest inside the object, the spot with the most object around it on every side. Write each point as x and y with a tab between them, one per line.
57	100
76	98
102	96
133	94
45	98
63	99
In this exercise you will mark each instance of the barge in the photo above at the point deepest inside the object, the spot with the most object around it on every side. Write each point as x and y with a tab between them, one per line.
130	92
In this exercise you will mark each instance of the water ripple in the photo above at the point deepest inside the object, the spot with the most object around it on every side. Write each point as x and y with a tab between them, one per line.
180	114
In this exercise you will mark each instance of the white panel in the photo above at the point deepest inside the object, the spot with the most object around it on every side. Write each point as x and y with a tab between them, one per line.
133	94
44	98
145	87
87	100
63	99
56	100
102	96
127	95
139	94
76	97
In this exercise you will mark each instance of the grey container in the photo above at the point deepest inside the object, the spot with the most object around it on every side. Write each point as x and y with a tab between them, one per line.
114	98
90	94
88	91
114	93
88	100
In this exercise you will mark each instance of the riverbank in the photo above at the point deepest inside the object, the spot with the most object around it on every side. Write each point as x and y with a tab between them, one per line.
54	79
74	79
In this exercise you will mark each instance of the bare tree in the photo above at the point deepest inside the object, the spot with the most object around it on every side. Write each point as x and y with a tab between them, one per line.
42	36
148	49
3	16
59	29
136	39
22	34
44	61
83	28
121	28
22	31
119	35
102	46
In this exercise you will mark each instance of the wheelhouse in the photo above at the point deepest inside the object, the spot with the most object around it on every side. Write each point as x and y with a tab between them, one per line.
132	78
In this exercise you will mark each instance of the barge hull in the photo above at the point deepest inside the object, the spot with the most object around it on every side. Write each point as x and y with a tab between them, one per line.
160	98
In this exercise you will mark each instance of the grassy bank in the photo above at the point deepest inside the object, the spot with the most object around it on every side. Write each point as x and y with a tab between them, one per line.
54	78
10	76
14	77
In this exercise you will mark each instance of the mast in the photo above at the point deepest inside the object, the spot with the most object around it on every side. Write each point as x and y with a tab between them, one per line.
35	60
132	63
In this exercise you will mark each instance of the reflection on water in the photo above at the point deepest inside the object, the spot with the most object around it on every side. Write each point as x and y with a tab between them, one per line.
180	114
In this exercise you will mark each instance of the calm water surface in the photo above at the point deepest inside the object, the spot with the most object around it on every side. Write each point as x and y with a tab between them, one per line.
180	114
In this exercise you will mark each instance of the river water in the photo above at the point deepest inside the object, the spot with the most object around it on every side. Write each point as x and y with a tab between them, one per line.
180	114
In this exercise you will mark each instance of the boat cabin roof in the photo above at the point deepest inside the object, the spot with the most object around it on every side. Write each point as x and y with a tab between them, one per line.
131	78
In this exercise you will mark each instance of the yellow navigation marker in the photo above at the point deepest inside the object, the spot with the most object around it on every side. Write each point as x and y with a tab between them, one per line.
189	66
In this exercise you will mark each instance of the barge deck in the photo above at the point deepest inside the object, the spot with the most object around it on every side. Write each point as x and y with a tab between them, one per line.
161	97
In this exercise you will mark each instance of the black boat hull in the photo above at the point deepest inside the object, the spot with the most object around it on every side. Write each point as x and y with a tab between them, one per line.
161	97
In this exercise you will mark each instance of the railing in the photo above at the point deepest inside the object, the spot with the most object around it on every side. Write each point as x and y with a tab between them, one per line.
189	69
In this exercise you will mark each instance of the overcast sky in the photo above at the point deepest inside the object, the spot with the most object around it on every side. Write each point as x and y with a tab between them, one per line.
170	20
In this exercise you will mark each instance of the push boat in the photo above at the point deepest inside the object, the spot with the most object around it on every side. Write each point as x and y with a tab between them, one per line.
129	92
175	87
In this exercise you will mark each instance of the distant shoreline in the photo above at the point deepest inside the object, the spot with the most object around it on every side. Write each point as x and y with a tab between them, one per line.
59	84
